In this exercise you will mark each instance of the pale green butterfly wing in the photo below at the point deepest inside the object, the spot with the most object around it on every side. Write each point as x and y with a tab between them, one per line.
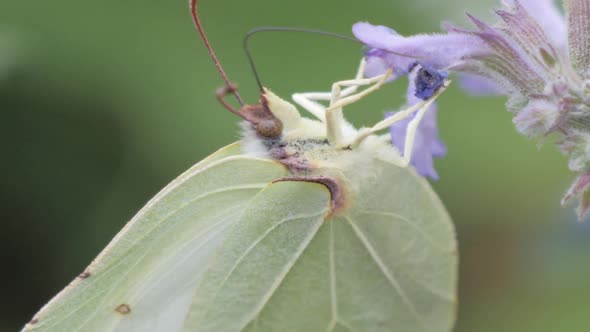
388	264
259	253
231	150
224	248
404	242
144	279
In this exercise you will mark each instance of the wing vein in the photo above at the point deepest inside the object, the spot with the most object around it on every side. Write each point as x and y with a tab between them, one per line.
120	259
412	223
211	232
388	275
255	244
333	297
198	198
287	267
99	305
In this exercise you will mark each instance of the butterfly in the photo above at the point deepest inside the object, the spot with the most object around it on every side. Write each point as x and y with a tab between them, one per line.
305	224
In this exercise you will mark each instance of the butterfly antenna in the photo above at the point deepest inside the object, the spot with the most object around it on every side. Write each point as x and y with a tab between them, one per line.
229	86
283	29
303	30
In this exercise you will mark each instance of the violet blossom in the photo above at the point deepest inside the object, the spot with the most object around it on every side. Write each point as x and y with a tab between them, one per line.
536	56
424	82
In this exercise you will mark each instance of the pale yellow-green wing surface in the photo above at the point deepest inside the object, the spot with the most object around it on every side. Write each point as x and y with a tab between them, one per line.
227	248
388	263
259	253
145	279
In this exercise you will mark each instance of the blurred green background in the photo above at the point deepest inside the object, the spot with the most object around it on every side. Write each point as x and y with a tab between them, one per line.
105	102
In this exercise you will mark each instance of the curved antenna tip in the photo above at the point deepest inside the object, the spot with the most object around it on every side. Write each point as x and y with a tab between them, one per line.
252	32
193	6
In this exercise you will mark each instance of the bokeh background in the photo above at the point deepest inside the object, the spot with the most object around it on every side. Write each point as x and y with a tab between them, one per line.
103	103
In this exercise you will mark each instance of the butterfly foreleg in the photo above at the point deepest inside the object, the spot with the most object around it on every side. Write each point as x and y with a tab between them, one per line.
420	108
310	100
334	118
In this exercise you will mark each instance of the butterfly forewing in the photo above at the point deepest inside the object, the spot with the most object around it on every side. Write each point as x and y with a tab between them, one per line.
258	254
144	279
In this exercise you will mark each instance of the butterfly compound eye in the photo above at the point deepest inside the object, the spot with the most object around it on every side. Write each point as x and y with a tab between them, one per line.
270	128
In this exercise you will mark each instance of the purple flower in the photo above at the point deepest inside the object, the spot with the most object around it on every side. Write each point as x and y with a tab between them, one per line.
423	84
438	51
387	49
533	54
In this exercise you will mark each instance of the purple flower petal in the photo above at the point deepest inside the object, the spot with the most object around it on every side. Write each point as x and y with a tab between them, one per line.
375	66
376	36
427	144
438	51
379	61
477	85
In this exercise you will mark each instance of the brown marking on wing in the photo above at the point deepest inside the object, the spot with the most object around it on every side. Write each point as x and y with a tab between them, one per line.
123	309
337	200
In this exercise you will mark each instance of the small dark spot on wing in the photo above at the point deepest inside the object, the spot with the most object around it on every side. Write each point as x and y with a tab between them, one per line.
123	309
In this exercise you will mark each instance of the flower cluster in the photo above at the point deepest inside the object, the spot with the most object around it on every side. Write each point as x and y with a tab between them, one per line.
533	54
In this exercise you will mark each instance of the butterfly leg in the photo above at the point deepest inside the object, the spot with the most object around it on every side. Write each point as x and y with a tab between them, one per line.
420	108
309	100
334	118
